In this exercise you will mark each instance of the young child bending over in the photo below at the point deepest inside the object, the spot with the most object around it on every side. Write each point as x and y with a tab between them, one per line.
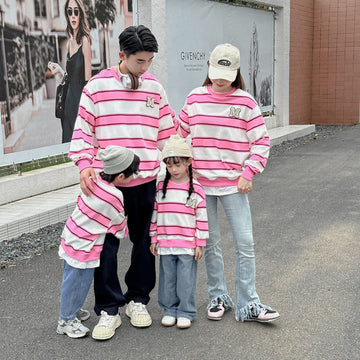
178	233
83	236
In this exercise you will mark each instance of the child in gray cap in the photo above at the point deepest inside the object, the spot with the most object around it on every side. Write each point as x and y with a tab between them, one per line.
83	236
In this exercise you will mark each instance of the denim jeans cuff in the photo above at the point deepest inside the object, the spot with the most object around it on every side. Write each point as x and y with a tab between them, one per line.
225	298
243	313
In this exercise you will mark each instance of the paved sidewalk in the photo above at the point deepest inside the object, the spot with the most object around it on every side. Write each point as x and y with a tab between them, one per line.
306	215
44	129
32	213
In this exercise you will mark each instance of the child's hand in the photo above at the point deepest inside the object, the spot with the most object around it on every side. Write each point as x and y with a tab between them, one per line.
198	252
55	68
153	249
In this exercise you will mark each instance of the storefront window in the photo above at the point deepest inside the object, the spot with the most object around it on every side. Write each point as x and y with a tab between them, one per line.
40	8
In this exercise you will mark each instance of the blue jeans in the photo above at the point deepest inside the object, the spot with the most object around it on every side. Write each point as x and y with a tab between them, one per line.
74	289
237	210
177	284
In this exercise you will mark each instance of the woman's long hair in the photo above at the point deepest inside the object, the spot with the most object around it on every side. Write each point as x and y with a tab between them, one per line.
237	83
84	29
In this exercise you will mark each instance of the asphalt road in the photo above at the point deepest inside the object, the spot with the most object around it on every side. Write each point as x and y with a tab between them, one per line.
306	217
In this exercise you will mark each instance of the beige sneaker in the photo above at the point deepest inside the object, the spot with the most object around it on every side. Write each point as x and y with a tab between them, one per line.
105	329
139	317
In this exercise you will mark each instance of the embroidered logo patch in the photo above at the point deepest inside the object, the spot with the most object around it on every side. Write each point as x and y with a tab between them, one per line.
235	112
224	62
191	203
150	102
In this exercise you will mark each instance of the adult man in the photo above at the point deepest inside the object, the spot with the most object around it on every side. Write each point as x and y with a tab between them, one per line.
126	106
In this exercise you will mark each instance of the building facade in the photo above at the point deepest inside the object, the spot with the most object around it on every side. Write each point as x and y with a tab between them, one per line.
324	62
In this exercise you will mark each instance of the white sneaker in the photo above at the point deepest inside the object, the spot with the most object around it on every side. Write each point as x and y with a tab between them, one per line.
138	314
105	329
183	323
72	328
168	320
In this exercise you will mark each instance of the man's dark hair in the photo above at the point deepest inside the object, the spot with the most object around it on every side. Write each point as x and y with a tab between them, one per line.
137	38
133	168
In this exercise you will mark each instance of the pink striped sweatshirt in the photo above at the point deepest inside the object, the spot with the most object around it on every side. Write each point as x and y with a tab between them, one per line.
140	120
83	236
176	221
229	136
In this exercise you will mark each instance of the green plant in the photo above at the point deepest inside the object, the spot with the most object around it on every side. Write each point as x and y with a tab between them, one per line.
41	52
90	12
16	67
33	165
246	3
105	12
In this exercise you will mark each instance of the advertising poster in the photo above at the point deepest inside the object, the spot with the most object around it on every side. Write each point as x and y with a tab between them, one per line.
194	28
33	35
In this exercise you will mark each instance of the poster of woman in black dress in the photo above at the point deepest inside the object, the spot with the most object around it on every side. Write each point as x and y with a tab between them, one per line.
78	63
74	36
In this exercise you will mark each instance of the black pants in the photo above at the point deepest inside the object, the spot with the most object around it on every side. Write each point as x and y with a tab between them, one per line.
140	277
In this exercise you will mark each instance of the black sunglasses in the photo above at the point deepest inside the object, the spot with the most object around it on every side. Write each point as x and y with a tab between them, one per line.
70	11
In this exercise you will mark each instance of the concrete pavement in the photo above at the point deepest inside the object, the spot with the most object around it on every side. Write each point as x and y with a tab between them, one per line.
45	196
44	129
306	215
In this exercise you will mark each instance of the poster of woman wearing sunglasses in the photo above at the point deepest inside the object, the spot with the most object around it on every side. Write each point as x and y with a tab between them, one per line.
81	48
78	63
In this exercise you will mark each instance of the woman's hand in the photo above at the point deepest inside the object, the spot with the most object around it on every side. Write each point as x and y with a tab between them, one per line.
55	68
244	186
85	183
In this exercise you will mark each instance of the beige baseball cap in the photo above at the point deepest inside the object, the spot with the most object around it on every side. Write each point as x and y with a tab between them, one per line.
224	62
176	146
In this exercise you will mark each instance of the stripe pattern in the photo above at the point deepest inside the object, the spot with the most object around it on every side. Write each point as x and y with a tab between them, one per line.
176	221
140	120
229	136
102	212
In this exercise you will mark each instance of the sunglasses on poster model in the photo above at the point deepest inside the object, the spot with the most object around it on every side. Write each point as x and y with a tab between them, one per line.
70	12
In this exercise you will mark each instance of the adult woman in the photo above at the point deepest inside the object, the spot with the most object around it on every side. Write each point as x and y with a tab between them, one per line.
230	145
78	63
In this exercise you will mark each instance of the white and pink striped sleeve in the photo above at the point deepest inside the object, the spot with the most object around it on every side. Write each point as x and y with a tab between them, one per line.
81	146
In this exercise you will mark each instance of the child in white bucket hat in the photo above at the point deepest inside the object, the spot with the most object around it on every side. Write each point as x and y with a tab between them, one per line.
178	233
230	145
83	236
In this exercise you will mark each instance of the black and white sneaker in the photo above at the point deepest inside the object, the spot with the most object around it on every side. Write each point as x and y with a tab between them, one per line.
83	314
262	314
216	310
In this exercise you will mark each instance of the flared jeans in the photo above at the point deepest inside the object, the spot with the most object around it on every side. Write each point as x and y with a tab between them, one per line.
237	210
